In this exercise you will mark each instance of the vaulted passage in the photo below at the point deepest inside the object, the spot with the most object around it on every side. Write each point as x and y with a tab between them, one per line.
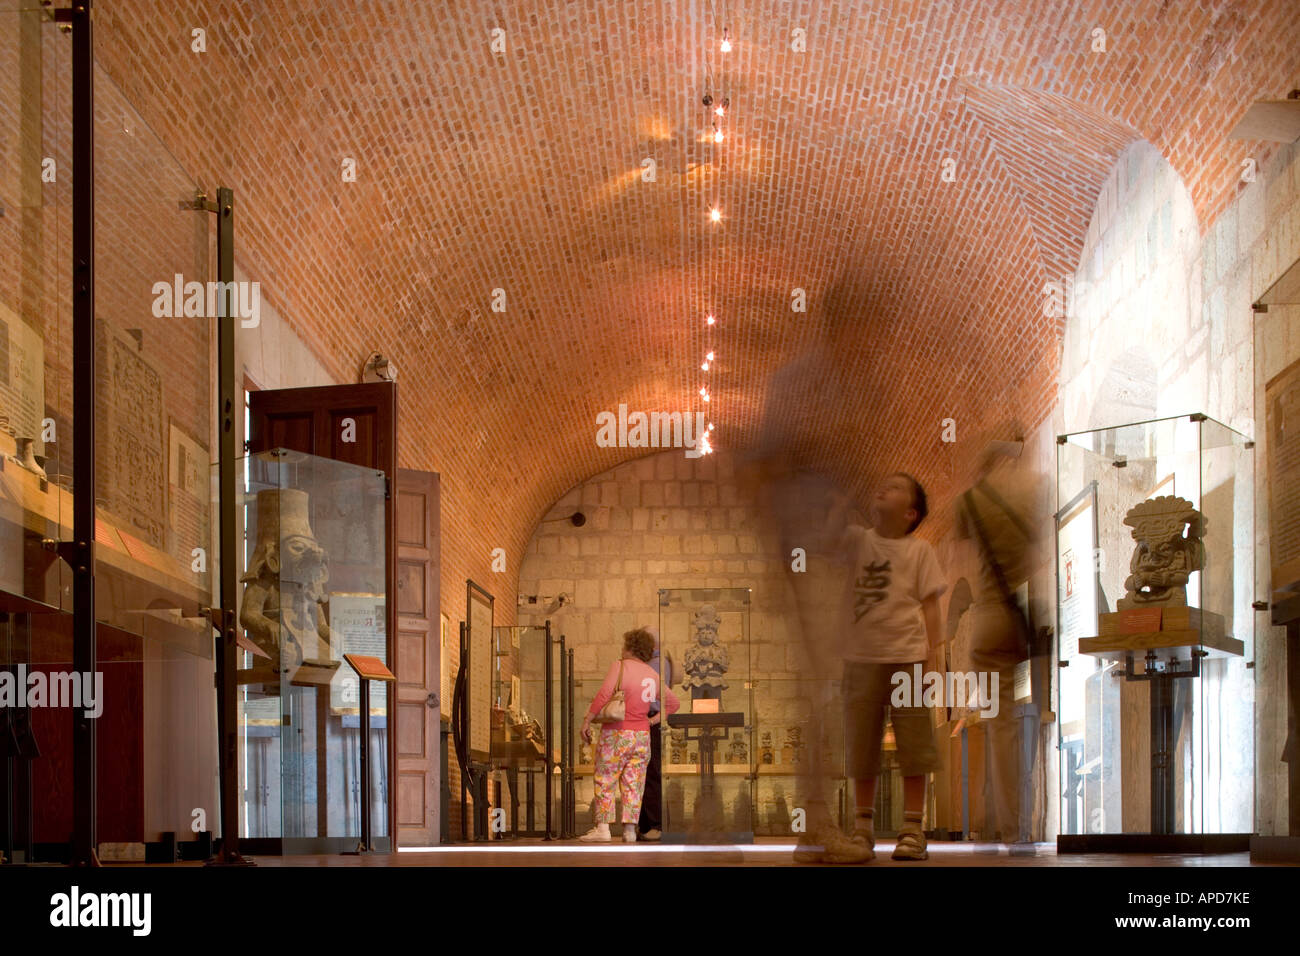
814	340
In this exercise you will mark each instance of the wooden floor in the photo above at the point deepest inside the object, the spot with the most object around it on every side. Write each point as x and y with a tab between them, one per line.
765	852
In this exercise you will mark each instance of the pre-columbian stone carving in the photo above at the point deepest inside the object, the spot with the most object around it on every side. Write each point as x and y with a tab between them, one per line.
1168	532
284	587
706	660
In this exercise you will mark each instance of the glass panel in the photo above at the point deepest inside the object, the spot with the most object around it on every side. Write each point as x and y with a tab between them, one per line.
710	796
153	404
313	590
519	739
1224	737
155	555
35	307
1154	671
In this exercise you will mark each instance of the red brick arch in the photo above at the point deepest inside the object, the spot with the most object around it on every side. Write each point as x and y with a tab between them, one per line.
520	171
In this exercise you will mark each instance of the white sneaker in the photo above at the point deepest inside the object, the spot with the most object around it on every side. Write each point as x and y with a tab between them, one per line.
629	833
597	834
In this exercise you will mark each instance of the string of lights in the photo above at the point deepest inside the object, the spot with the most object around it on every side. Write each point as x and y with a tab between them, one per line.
717	110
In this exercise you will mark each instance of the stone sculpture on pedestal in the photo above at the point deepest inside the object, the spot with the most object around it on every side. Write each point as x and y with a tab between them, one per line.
706	660
1168	532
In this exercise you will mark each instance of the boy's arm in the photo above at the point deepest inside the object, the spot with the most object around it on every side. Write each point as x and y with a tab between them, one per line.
930	608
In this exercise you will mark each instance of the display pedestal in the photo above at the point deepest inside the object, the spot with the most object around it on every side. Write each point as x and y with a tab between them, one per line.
709	826
1161	677
1185	655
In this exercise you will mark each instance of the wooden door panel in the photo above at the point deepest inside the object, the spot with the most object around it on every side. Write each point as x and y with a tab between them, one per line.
289	431
411	526
350	433
412	648
412	803
412	741
412	597
419	677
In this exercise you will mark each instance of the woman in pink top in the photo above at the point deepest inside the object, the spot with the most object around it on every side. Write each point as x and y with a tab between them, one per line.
624	748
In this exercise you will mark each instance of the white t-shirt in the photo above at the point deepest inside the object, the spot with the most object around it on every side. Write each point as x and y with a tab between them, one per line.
882	603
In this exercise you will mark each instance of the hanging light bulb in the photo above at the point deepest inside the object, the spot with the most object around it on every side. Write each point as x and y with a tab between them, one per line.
704	394
715	214
726	41
706	447
710	320
717	134
720	110
710	426
705	366
709	357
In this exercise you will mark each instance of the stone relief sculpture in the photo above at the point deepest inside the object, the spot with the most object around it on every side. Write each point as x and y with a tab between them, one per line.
792	749
738	752
1167	531
284	588
706	660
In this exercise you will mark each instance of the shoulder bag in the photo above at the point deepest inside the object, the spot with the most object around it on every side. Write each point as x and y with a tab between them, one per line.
615	708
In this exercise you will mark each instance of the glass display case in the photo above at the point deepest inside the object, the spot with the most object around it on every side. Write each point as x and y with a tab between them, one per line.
708	754
527	725
312	590
1155	572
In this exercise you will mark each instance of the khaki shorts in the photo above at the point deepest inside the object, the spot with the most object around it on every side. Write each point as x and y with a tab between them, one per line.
867	688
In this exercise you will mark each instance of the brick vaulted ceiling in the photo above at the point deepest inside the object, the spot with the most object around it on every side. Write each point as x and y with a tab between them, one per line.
521	170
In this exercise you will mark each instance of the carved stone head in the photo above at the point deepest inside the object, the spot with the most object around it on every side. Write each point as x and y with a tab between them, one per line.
287	550
1168	532
706	625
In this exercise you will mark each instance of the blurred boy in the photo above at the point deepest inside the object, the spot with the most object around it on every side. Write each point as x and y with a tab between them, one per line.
892	621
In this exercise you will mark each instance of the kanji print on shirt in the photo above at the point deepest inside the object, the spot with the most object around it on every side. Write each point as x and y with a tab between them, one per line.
870	588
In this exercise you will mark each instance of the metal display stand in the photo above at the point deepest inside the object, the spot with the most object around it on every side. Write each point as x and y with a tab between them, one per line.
366	669
570	825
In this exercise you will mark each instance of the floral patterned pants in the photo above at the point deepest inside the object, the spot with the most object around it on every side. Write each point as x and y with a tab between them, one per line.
621	757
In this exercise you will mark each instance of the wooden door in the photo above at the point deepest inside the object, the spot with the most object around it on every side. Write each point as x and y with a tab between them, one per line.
419	677
355	424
